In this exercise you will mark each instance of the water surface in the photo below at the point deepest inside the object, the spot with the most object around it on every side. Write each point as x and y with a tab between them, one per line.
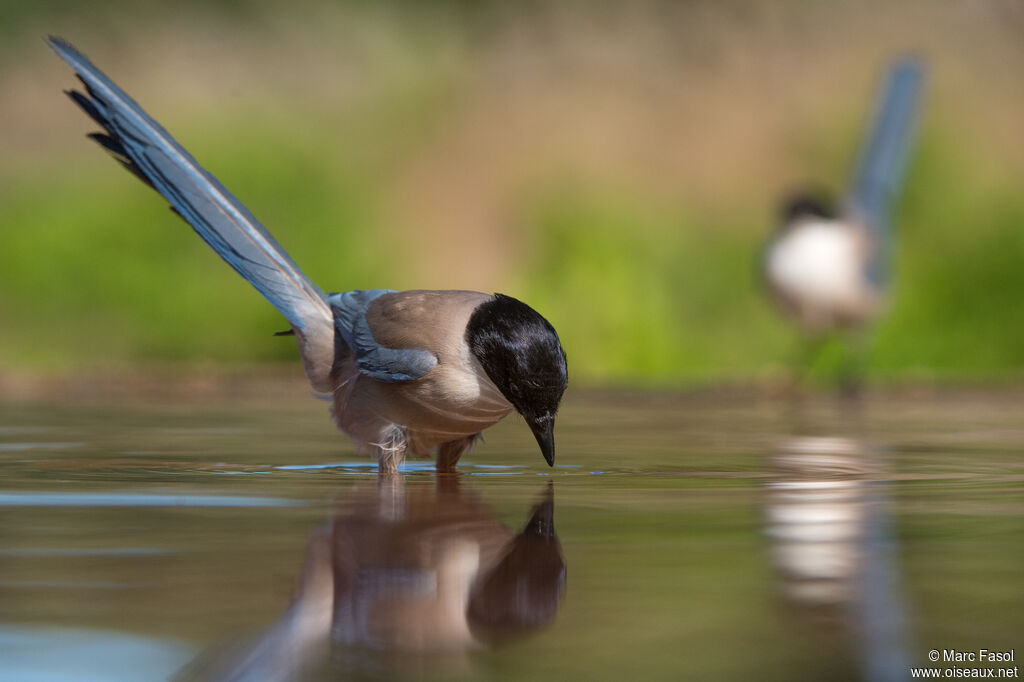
703	536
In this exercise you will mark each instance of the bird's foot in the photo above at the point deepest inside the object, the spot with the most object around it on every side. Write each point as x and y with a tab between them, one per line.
448	454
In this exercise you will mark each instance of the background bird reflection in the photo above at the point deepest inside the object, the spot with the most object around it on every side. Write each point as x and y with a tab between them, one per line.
405	575
826	519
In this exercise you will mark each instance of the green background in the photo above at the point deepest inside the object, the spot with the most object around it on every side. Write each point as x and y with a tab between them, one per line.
616	165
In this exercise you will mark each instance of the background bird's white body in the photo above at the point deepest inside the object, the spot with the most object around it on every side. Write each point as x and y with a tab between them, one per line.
816	270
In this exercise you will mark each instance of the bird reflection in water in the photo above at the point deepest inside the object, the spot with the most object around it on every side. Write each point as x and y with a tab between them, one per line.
407	575
826	519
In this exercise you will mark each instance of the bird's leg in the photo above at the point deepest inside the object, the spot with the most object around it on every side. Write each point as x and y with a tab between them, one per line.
449	453
391	450
805	353
851	374
387	463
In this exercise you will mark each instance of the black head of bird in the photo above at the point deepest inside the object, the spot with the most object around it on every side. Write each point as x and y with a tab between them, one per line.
806	203
520	352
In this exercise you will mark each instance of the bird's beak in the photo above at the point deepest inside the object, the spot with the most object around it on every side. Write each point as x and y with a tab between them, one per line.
544	431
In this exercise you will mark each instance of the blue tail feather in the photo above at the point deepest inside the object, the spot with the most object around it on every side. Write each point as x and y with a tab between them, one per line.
149	151
885	149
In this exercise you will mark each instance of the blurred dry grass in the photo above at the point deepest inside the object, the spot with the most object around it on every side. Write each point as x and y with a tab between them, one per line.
491	146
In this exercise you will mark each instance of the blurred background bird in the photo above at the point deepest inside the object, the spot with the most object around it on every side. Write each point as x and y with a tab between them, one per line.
829	270
422	372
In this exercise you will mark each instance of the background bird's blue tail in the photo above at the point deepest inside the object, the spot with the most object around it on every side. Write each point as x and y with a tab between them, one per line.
884	152
142	146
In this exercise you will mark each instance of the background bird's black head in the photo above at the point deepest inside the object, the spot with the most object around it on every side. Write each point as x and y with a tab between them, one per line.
807	204
522	355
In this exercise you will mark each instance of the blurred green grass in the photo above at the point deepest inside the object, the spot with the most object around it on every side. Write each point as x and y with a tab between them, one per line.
649	276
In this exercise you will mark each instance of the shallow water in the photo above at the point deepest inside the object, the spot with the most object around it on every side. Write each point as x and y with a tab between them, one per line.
703	536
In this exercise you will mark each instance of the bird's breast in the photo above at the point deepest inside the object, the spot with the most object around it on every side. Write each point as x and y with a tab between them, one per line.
453	395
452	401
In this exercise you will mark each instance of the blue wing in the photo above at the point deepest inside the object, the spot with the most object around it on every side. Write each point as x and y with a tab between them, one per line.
375	361
148	151
884	152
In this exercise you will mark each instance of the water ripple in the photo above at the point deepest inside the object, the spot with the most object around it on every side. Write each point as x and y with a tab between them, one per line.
53	499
